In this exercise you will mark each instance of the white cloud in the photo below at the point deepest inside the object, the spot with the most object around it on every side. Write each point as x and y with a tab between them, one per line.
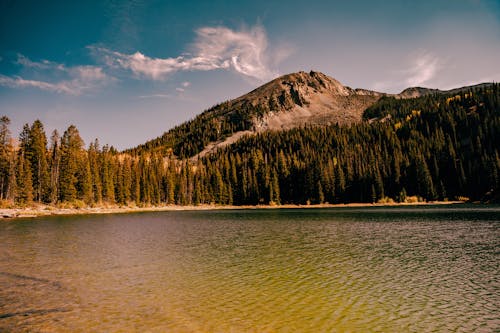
19	82
155	96
425	67
245	52
66	80
421	69
183	87
42	65
153	68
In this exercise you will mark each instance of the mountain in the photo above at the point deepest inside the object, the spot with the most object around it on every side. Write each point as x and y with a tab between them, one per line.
293	100
414	92
275	146
301	98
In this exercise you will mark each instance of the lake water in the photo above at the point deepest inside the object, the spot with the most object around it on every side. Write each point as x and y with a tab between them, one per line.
400	269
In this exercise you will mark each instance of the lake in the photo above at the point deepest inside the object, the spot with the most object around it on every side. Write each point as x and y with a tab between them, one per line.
377	269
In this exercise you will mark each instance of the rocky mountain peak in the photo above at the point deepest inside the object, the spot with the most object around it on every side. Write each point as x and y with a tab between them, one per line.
292	89
414	92
301	98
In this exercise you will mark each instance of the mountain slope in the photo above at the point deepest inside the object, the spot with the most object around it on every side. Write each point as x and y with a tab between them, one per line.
435	147
293	100
414	92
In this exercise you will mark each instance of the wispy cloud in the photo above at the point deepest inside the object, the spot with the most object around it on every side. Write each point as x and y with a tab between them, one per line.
183	87
61	79
19	82
421	69
156	96
245	52
424	68
41	65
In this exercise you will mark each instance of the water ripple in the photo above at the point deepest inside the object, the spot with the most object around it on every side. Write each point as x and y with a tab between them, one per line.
332	270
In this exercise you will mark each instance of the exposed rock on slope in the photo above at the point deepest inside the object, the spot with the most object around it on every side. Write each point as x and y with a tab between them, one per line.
415	92
301	98
293	100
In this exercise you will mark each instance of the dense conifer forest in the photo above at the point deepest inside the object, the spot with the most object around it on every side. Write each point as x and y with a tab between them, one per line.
436	147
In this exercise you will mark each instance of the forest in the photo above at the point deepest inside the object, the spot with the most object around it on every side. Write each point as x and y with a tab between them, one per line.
436	147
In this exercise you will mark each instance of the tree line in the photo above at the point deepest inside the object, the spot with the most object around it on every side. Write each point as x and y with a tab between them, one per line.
436	147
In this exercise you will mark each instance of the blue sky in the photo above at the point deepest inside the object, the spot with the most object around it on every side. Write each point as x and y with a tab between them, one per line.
126	71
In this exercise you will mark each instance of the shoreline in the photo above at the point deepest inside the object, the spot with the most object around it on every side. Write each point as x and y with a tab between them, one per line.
45	210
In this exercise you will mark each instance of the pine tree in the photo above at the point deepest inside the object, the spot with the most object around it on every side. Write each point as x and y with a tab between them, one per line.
93	156
425	185
170	185
5	156
339	183
36	153
12	181
321	195
84	179
24	138
136	182
274	187
24	194
54	164
108	186
71	150
126	180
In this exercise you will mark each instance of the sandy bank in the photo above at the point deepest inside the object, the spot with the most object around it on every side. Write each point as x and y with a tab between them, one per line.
43	210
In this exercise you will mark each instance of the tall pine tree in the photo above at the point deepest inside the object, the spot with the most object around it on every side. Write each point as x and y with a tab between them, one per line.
71	149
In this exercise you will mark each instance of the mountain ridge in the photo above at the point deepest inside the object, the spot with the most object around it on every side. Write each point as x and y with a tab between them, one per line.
289	101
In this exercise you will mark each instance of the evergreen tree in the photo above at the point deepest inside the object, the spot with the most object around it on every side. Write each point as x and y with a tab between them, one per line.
84	179
425	185
54	164
274	196
93	156
71	150
107	177
24	193
36	153
5	156
12	181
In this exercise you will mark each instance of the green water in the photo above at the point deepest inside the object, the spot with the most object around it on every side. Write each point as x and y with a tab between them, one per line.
411	269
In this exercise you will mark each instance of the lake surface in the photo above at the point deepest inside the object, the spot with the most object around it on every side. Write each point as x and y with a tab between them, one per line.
399	269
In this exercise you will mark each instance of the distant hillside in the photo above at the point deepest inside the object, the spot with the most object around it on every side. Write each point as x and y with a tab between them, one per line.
414	92
441	146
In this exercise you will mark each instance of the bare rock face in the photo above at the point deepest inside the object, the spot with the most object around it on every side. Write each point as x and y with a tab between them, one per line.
414	92
311	99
